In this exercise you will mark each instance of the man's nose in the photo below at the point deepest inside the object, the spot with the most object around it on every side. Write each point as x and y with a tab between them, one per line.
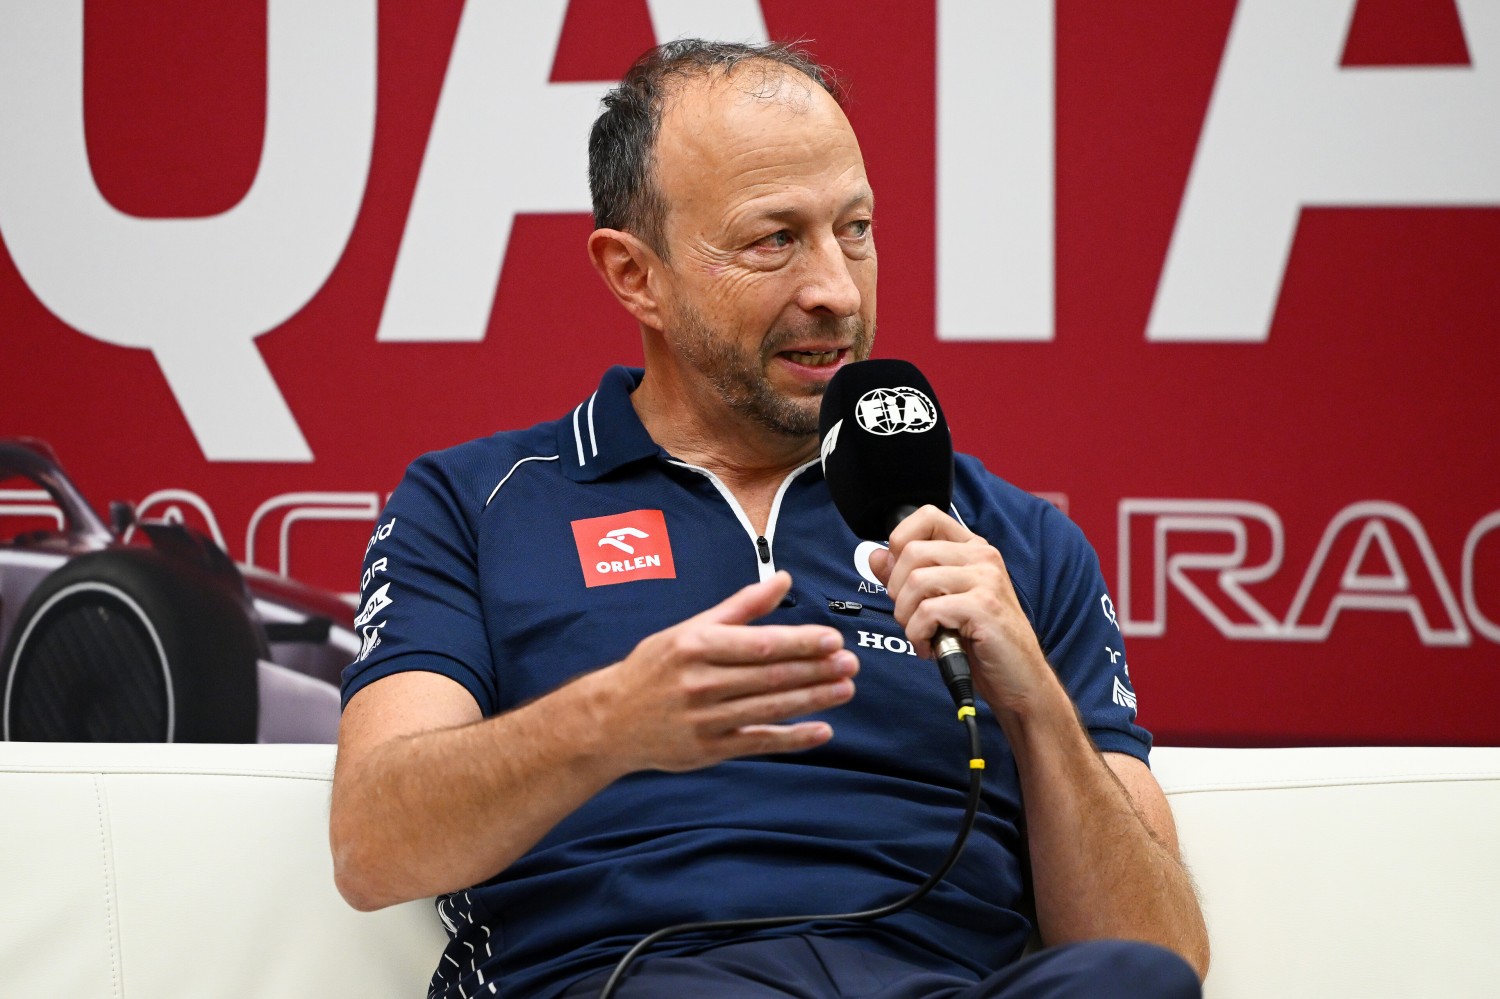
828	284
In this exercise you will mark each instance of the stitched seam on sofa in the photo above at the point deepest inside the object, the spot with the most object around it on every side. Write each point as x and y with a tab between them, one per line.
1317	782
111	912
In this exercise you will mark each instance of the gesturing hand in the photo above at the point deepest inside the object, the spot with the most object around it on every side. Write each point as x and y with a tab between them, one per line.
717	686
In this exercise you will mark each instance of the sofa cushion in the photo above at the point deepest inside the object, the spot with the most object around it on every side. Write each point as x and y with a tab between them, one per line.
175	870
1340	872
203	871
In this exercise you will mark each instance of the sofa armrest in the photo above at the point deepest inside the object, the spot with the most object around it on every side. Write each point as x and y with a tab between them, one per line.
1352	872
187	870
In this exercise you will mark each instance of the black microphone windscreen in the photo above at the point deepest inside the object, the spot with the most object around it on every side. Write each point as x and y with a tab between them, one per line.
885	444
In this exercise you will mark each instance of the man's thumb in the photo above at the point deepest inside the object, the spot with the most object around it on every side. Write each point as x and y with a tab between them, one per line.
750	602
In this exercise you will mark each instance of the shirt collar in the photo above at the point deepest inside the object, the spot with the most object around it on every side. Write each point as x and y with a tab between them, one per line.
603	432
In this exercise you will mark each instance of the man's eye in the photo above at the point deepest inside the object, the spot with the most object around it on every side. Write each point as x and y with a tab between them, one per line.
776	240
860	228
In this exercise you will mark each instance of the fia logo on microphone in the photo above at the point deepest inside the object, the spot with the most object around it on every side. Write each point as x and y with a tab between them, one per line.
830	442
901	410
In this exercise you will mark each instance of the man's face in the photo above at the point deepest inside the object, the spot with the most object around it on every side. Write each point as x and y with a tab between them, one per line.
770	287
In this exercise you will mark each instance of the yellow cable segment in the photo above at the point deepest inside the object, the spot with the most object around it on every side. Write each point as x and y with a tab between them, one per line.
967	711
976	764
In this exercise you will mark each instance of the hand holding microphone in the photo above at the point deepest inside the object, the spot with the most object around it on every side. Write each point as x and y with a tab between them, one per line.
887	452
888	460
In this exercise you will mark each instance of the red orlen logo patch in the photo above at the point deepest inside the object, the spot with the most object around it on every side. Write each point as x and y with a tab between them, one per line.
624	547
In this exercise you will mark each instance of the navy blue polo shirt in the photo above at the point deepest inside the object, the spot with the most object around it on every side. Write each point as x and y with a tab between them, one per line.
513	563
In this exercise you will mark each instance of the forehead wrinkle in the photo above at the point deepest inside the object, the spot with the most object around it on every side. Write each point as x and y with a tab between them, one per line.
779	200
776	206
753	172
724	155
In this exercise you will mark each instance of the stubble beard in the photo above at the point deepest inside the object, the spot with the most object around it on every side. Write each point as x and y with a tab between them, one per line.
740	378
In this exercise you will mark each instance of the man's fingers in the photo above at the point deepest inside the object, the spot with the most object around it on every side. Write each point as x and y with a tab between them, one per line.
733	644
928	529
929	581
971	554
724	634
762	740
773	708
721	686
928	523
726	682
750	602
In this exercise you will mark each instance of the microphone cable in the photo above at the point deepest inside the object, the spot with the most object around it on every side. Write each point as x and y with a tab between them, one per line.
971	811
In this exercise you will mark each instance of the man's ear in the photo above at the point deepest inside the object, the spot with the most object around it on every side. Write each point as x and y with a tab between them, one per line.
626	264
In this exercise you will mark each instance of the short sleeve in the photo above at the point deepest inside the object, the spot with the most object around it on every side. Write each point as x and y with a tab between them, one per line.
420	605
1080	635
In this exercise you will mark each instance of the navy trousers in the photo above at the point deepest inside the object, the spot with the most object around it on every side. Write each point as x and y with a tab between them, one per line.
823	968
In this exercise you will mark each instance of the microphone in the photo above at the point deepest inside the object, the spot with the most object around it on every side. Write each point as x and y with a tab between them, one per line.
886	451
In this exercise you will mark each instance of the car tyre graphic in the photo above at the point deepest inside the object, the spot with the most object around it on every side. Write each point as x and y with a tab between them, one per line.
131	646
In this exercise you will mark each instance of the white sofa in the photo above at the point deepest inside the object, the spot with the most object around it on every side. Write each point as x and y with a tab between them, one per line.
153	872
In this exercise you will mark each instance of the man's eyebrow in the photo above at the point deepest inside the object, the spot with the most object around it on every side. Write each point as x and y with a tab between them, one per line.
866	197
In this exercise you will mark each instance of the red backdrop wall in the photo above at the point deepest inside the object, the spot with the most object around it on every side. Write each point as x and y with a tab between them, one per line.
1300	519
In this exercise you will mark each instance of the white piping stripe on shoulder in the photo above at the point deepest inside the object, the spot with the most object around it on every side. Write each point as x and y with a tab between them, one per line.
535	457
577	437
593	441
958	516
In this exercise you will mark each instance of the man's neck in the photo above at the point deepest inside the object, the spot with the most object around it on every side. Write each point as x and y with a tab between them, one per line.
751	461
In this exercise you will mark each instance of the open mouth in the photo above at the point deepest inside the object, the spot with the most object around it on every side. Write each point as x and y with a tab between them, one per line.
815	359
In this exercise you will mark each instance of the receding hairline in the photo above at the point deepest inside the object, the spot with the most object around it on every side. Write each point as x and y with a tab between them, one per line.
777	83
702	138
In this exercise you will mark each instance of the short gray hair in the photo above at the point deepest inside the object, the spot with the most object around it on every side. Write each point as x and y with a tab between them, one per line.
623	141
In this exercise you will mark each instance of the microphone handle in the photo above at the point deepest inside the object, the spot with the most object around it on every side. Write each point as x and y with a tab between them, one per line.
952	662
954	665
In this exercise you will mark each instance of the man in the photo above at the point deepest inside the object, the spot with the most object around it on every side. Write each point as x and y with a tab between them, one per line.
591	704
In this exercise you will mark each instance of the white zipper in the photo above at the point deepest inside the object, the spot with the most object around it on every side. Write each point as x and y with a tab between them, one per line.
767	567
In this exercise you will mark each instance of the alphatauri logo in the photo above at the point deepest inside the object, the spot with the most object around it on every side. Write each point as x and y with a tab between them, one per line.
902	410
868	582
623	548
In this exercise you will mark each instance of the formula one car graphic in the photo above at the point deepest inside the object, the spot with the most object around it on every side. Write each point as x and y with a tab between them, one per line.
147	631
